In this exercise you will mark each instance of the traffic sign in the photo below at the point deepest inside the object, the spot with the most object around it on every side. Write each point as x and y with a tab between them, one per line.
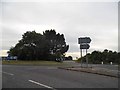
84	40
84	46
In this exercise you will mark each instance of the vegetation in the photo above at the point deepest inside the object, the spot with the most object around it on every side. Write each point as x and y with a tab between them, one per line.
69	58
32	62
107	56
35	46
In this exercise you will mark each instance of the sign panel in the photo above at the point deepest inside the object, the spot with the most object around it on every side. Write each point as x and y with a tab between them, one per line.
84	46
84	40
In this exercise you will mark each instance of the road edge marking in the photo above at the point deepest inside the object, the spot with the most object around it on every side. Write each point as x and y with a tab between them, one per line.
46	86
8	73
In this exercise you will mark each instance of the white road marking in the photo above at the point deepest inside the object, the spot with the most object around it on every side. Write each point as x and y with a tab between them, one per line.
8	73
41	84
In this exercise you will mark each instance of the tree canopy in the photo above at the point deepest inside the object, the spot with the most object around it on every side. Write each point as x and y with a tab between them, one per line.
35	46
107	56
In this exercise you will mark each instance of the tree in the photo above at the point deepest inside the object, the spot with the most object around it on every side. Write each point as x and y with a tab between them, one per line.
56	42
69	58
31	46
106	56
35	46
118	58
95	57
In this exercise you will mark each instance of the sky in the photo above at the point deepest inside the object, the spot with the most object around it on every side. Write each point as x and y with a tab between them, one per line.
74	19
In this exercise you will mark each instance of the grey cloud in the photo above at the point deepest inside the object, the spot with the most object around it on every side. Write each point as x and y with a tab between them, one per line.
74	19
9	38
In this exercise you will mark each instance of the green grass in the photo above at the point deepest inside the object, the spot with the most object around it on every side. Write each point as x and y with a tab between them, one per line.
46	63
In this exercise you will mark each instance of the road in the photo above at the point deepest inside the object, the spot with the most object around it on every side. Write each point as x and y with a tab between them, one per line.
14	76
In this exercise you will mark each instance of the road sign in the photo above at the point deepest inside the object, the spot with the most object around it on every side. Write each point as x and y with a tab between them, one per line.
84	46
84	40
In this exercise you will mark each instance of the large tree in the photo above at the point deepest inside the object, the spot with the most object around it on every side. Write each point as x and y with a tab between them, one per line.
35	46
32	46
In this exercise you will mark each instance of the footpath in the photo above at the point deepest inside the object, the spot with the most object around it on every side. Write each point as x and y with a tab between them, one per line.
94	70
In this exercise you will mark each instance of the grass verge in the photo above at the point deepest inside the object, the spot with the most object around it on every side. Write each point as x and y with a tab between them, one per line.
38	62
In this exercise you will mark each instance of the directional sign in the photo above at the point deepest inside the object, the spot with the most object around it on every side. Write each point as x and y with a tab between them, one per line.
84	46
84	40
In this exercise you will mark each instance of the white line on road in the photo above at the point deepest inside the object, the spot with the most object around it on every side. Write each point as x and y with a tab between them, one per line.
8	73
41	84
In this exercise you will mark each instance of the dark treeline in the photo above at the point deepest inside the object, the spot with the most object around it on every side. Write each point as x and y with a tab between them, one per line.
35	46
107	56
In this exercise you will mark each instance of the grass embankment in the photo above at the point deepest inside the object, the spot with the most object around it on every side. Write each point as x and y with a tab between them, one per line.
46	63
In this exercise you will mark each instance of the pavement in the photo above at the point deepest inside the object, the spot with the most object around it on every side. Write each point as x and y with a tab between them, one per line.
100	71
107	70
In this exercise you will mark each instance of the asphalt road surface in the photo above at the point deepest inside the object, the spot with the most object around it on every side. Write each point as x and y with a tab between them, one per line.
14	76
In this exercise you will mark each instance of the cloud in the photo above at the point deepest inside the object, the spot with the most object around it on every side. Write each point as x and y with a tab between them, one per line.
74	19
3	53
73	54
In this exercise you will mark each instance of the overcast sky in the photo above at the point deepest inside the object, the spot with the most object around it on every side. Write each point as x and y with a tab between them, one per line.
97	20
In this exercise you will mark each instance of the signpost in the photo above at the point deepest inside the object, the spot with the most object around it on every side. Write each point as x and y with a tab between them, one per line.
84	44
84	40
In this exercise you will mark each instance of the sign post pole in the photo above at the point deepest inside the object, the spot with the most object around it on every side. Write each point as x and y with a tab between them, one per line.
86	58
81	57
86	55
